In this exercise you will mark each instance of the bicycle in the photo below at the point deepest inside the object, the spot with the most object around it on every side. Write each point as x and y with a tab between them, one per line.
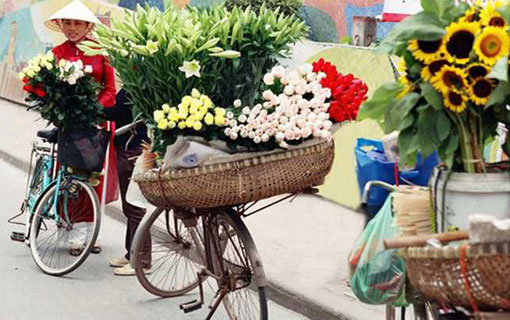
190	245
59	234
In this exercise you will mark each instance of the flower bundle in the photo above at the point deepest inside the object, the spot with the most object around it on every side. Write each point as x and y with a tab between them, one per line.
347	92
453	87
194	115
62	91
296	105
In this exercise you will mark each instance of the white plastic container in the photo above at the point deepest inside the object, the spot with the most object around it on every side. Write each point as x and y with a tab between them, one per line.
467	194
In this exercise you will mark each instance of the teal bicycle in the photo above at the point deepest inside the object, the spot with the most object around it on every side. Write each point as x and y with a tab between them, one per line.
63	211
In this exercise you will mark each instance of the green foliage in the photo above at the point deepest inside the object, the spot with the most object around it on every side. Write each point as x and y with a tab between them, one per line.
147	47
287	7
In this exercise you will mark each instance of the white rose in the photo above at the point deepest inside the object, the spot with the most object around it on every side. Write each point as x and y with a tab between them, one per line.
294	77
251	134
323	116
232	123
311	76
228	131
321	75
244	133
305	69
259	132
325	134
267	104
311	117
283	145
242	118
300	90
326	92
268	79
71	80
88	68
278	71
233	135
306	132
285	80
289	90
289	134
257	139
237	103
268	95
308	88
257	108
246	110
326	125
265	137
279	136
230	115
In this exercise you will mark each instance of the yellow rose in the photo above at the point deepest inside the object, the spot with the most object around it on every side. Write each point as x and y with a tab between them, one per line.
30	73
173	117
48	66
158	115
193	109
209	119
203	110
49	56
171	124
166	108
195	103
197	125
62	63
163	124
206	101
220	112
195	93
21	75
199	116
182	125
219	120
190	121
186	101
173	110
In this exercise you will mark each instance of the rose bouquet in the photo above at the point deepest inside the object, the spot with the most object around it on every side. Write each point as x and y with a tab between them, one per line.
296	105
62	91
453	87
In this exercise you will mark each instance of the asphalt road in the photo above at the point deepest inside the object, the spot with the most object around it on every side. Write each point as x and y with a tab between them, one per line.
91	292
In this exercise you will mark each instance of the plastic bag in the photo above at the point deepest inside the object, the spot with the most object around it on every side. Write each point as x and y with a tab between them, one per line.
377	276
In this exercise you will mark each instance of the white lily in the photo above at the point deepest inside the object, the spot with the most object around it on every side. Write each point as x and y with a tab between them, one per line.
191	68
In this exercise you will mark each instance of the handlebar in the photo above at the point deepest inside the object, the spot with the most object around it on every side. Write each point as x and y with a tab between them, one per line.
127	127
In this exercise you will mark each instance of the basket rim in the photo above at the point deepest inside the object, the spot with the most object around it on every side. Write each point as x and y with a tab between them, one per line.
156	173
453	252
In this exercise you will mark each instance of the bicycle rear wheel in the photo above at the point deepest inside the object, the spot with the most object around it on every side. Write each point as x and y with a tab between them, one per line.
240	267
174	257
62	235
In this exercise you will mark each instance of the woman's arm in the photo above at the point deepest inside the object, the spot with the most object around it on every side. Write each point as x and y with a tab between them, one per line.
107	95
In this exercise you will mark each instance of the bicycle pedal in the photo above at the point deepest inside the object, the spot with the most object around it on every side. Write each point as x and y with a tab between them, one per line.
191	306
18	236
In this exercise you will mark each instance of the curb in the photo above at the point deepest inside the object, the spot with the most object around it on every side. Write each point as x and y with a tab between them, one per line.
276	293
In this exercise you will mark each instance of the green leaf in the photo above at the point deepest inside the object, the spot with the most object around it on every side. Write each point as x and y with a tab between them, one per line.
437	7
376	106
499	95
432	96
455	12
407	142
500	70
397	112
406	122
427	137
505	12
443	126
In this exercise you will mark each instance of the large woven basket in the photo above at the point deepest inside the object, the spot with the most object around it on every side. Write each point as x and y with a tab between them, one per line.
232	183
481	280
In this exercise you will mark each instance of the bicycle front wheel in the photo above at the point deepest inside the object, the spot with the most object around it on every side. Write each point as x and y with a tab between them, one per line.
238	263
169	249
65	226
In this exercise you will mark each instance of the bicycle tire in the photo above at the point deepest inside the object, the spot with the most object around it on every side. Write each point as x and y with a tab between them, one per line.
248	266
59	260
181	258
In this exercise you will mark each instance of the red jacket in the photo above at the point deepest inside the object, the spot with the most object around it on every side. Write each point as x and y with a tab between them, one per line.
101	70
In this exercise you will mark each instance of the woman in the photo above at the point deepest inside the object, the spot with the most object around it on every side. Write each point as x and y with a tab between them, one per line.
75	21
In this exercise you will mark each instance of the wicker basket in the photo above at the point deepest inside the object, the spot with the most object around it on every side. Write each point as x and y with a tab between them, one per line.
238	182
478	277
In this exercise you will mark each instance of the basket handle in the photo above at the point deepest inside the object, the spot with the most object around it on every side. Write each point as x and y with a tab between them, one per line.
421	241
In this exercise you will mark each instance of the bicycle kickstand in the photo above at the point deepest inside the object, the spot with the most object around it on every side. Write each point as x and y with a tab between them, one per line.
220	295
195	304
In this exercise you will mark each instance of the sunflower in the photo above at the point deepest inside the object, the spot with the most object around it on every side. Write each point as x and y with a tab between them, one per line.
492	44
426	51
455	101
469	16
459	40
489	16
430	70
477	70
480	91
449	78
407	86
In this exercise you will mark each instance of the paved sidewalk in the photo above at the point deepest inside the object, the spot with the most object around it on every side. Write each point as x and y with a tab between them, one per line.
304	244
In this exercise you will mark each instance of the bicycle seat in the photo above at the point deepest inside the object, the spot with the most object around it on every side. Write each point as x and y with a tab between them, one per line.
49	135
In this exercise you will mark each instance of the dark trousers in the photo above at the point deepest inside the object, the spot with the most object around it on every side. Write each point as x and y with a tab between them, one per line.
134	215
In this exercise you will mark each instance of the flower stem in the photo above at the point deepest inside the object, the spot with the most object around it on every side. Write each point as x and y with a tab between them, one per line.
465	144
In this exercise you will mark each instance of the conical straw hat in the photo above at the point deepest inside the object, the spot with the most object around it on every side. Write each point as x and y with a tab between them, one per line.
76	10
